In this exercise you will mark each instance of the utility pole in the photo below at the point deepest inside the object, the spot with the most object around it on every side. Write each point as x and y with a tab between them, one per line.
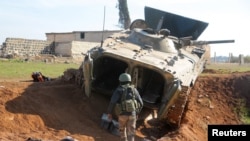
241	59
214	57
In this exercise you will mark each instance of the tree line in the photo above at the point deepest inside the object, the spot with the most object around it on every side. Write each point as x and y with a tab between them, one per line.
235	59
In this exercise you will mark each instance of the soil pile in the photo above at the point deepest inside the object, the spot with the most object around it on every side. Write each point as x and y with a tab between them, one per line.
55	109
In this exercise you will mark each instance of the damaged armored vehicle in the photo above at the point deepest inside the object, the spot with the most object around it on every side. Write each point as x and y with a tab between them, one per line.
162	55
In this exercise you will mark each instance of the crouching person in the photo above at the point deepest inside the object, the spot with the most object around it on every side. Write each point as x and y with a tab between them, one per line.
127	100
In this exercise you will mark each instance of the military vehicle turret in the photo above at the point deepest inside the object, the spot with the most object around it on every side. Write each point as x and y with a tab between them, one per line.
162	55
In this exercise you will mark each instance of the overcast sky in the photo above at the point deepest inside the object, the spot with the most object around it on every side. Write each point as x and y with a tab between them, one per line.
31	19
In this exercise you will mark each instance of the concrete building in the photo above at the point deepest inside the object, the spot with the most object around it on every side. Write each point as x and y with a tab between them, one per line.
73	44
86	36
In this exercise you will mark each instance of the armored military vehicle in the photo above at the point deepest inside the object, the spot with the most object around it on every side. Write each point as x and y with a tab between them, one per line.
162	55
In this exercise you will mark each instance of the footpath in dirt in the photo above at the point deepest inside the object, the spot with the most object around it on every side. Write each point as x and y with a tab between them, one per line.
52	110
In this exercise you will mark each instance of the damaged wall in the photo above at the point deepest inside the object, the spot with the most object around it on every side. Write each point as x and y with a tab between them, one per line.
24	47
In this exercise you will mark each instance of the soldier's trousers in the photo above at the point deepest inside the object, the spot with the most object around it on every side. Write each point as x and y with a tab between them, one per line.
127	125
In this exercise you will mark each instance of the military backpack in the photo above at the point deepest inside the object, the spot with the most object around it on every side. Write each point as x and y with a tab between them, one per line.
128	104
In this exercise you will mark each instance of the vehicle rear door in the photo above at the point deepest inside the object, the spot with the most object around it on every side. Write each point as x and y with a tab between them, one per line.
87	71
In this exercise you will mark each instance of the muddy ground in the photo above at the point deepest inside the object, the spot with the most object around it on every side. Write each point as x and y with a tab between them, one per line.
52	110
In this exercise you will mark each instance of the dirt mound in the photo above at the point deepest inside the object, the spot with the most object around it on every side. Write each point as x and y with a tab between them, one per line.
215	99
55	109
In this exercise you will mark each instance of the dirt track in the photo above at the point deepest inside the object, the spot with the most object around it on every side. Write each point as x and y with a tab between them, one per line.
52	110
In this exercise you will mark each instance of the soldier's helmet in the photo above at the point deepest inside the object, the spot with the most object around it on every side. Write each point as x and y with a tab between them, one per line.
125	77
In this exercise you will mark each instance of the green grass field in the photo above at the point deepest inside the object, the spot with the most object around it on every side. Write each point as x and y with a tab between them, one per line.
14	69
229	67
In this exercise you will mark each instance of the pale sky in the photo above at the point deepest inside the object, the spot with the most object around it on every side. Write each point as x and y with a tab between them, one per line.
31	19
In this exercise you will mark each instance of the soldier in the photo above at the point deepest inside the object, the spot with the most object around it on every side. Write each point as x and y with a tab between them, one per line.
37	77
127	101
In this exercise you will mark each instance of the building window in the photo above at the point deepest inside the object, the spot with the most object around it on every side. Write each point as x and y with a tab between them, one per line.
82	35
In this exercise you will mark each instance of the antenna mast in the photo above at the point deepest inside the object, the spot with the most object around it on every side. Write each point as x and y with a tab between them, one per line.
103	25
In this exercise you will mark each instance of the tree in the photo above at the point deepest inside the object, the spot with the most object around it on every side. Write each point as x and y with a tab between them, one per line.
124	18
247	59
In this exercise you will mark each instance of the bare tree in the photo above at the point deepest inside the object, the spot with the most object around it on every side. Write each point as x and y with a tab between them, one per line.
124	18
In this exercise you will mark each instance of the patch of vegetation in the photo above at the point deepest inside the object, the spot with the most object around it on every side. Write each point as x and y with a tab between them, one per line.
18	69
245	116
244	111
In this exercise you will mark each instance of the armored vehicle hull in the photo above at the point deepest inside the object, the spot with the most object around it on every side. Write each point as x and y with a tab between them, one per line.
162	69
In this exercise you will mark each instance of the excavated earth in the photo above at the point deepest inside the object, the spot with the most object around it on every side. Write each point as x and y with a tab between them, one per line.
52	110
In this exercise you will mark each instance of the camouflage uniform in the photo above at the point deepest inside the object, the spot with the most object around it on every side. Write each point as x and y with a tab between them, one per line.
127	120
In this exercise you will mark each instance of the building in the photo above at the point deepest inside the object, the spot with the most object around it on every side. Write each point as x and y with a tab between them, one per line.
65	44
85	36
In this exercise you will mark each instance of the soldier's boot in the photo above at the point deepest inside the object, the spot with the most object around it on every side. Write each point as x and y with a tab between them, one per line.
131	138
